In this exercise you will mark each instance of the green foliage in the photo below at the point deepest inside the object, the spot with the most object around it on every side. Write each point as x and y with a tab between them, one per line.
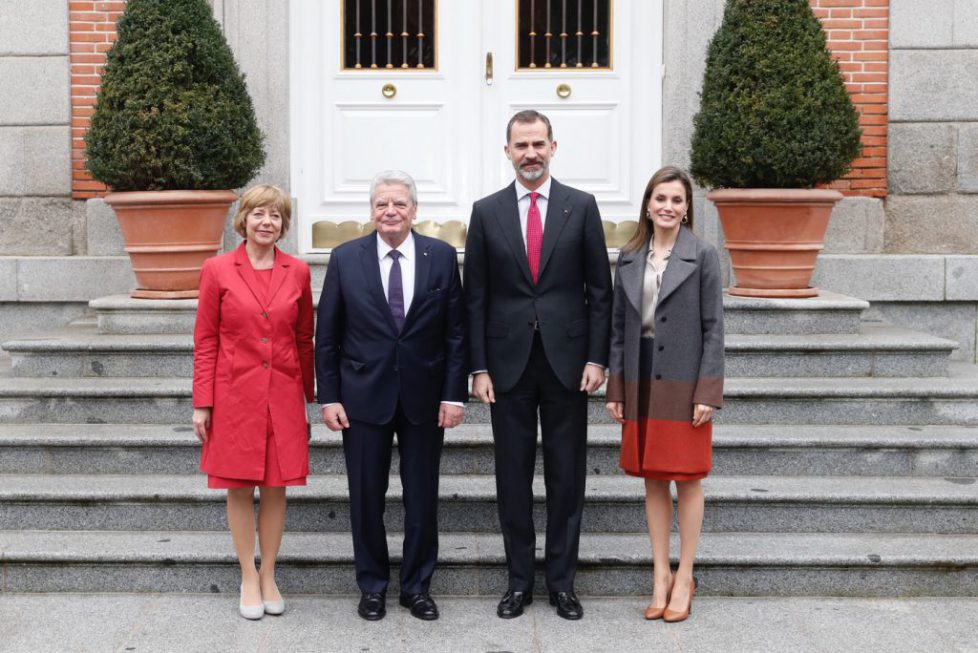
173	111
774	109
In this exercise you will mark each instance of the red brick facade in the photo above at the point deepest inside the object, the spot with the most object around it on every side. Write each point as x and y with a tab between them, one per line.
91	32
858	33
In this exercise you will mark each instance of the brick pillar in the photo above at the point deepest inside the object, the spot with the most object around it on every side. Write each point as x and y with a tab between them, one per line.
91	32
858	36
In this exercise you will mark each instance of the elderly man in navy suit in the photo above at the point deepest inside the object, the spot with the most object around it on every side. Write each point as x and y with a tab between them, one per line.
538	294
391	359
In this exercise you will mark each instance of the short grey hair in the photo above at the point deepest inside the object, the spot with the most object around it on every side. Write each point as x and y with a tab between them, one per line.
394	177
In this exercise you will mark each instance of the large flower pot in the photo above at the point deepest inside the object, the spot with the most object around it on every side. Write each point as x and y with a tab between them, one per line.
168	235
774	237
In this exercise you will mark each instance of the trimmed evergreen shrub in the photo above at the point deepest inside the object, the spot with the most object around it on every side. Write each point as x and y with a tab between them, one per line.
173	112
774	111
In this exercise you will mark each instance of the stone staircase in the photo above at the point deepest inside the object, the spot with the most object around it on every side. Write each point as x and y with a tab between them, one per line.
845	464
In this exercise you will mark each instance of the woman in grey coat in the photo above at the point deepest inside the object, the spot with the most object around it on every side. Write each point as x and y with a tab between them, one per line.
666	374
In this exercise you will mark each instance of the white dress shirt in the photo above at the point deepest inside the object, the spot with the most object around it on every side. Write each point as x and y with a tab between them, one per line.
523	202
408	261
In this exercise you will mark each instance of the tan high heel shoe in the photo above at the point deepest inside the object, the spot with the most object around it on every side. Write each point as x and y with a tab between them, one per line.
652	613
672	616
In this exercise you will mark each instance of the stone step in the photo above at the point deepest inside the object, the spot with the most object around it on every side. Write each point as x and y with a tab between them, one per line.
878	349
809	504
738	450
828	313
473	564
764	400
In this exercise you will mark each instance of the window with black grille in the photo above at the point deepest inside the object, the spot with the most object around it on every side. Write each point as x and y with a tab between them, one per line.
564	34
389	34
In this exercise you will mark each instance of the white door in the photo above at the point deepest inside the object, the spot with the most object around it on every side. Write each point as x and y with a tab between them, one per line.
361	103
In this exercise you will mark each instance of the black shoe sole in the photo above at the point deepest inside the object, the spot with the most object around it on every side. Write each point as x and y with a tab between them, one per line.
369	616
526	602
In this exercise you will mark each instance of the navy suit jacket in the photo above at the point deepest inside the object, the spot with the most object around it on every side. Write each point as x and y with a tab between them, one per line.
363	361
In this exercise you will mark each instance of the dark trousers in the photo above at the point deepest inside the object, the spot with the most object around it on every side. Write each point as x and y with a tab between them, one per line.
368	461
563	422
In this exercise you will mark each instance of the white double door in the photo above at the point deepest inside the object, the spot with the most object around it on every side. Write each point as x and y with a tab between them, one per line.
445	125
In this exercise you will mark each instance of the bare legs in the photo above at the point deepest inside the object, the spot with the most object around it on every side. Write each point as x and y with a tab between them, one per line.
658	512
257	585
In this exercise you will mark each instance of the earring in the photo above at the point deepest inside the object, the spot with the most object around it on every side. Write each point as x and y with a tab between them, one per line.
648	214
685	219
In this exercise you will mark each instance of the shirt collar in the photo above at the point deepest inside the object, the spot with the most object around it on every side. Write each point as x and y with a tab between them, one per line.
406	248
544	190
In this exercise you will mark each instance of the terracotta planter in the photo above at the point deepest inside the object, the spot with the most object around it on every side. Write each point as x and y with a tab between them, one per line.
774	237
168	235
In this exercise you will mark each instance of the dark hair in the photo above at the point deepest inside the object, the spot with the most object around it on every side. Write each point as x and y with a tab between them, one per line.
528	117
661	176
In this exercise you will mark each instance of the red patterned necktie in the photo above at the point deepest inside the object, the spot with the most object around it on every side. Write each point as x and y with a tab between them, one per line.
534	237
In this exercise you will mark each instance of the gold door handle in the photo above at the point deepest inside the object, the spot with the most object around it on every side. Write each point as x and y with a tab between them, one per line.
488	68
388	91
563	91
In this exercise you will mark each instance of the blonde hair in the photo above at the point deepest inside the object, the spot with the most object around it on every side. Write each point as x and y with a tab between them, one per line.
263	195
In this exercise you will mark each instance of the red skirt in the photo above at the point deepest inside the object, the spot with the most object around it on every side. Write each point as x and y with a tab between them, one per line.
273	473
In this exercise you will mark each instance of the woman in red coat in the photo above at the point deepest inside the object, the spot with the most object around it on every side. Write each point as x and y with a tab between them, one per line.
253	374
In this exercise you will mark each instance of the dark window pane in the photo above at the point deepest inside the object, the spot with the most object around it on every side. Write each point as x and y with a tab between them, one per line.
389	34
564	34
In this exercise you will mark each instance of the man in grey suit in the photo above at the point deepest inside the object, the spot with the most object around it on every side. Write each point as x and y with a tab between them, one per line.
538	300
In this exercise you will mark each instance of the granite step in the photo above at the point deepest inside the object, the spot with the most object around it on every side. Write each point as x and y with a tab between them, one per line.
828	313
473	564
468	503
951	400
878	349
738	450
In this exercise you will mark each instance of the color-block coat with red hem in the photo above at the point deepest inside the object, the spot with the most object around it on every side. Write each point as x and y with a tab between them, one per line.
253	358
687	364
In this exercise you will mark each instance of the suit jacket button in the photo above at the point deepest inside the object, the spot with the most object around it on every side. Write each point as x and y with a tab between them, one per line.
658	376
265	315
264	364
663	318
661	347
266	340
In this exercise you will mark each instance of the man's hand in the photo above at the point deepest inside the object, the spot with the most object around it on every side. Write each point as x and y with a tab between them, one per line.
702	414
482	388
450	416
202	423
335	417
592	378
617	411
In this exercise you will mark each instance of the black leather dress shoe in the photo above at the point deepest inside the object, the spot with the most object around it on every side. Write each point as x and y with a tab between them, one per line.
568	605
513	603
372	606
422	605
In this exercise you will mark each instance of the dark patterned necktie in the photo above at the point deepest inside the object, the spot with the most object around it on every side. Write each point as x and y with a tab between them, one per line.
395	290
534	237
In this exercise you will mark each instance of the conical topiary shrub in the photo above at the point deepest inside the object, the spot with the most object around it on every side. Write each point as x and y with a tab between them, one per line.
173	111
774	111
775	120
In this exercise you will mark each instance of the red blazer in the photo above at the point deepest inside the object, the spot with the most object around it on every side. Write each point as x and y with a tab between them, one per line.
252	358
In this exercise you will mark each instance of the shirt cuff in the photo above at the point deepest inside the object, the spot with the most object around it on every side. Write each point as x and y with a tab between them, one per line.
454	403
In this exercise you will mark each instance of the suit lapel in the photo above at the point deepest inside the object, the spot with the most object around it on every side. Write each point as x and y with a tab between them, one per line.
370	266
682	263
279	273
247	274
422	268
508	218
558	212
632	273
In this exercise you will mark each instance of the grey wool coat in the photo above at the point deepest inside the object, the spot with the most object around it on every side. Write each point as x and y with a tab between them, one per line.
687	364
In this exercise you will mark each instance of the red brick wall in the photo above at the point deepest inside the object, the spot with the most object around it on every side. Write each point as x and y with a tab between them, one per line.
858	35
91	32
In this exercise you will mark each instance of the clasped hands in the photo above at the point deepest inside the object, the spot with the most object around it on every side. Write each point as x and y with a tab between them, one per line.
701	412
482	388
449	416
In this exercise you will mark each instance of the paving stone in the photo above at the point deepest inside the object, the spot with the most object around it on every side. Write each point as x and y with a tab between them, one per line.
950	226
856	227
891	277
922	157
103	234
47	33
37	226
43	100
962	278
952	320
73	278
917	77
967	163
8	279
908	16
35	160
